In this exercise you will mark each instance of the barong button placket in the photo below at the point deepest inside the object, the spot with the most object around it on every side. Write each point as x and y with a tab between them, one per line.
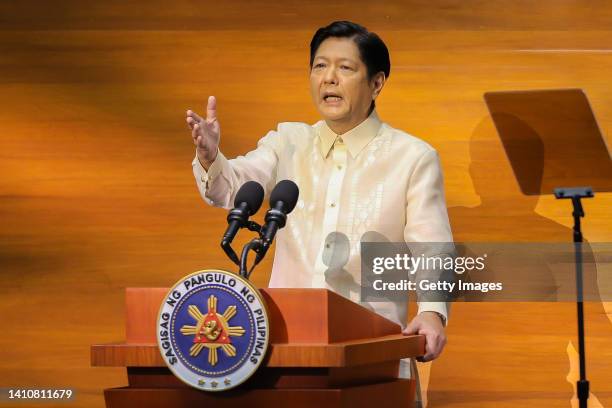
332	212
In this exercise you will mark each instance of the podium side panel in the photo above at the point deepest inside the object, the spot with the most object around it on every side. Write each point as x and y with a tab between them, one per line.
142	307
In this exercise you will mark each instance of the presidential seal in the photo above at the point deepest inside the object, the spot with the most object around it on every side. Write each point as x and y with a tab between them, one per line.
212	330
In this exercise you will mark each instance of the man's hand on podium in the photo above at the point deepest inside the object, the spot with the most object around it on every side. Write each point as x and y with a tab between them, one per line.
430	325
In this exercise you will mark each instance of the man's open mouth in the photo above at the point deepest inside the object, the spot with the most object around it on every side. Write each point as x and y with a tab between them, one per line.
330	97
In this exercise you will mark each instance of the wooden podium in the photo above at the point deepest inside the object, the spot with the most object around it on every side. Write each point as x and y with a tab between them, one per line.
325	351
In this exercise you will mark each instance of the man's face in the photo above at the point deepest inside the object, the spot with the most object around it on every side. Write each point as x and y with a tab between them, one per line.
339	83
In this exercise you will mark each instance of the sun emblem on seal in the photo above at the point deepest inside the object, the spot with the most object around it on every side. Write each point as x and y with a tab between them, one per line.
212	330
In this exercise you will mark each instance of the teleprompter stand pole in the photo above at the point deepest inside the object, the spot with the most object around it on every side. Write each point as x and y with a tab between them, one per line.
576	194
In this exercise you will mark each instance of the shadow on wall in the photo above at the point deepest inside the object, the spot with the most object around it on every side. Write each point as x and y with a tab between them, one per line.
505	214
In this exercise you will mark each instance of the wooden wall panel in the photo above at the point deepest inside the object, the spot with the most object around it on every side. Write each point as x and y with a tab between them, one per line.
96	192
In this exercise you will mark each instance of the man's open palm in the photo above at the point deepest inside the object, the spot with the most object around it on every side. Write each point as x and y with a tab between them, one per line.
205	132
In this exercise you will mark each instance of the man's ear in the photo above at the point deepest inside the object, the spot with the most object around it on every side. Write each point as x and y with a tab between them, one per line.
377	82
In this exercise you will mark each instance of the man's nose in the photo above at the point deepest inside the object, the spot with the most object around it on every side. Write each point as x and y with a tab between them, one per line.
330	77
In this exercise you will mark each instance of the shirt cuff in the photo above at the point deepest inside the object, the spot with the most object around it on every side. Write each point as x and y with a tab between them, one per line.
207	177
441	308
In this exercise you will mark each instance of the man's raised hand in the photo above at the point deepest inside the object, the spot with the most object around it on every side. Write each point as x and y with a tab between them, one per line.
205	132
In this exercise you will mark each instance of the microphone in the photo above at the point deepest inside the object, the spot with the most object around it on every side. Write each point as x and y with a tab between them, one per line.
282	201
247	202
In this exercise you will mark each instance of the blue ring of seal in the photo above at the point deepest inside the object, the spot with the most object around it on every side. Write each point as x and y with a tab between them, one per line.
250	332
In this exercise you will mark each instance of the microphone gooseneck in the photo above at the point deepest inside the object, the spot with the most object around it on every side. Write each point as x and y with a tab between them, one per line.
282	201
246	203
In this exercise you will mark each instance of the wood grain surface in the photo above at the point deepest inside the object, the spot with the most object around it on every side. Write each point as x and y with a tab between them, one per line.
339	397
342	354
296	315
97	194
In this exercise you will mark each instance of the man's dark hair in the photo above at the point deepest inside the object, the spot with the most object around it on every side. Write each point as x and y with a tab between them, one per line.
372	49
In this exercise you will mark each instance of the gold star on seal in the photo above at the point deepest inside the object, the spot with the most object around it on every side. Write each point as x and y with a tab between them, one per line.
212	330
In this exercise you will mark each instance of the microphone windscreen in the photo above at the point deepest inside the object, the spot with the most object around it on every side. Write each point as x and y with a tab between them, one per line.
287	192
251	193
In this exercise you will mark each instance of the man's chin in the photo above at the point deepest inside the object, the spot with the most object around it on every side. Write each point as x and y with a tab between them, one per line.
332	114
